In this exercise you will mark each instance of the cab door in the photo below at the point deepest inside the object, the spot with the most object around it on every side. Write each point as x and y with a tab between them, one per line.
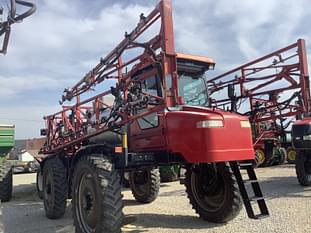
147	133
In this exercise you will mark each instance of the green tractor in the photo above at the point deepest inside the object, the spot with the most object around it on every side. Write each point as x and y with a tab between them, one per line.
6	175
169	173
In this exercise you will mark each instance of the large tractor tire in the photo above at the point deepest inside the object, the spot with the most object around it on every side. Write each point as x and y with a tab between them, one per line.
55	188
6	181
291	155
39	183
145	185
169	173
96	196
213	192
303	168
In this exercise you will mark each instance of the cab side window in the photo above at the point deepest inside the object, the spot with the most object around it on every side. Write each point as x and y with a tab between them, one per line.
151	86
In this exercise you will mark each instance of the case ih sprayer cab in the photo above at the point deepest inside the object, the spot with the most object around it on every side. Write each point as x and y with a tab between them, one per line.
155	114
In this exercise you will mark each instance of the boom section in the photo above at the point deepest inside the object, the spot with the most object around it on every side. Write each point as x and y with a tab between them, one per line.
273	87
148	49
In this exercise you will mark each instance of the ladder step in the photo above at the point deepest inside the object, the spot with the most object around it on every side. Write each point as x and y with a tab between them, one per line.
261	216
250	181
245	165
256	198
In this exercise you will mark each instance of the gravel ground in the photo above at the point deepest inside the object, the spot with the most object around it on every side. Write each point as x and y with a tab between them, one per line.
288	202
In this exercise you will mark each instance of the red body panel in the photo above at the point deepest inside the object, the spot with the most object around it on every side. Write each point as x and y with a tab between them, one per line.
304	121
181	136
228	143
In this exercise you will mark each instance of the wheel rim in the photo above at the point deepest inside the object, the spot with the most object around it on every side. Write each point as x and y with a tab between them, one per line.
260	156
88	210
291	155
208	190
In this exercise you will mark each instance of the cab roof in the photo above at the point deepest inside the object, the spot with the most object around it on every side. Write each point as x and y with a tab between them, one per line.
195	58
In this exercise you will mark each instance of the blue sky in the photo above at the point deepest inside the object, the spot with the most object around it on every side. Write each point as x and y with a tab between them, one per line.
55	47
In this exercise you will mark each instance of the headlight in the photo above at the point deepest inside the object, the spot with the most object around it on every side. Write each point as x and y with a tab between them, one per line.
245	124
210	124
307	137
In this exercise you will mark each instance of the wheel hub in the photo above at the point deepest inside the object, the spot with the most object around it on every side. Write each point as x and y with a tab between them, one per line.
208	188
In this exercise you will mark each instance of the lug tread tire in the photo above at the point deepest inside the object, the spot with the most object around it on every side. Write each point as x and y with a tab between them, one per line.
153	188
108	179
303	177
6	182
233	202
39	191
56	167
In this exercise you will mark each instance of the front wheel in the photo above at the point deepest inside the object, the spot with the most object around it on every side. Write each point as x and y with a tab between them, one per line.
303	168
145	185
213	192
96	196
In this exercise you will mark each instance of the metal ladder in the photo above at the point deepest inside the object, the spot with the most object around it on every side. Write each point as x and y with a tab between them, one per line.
258	196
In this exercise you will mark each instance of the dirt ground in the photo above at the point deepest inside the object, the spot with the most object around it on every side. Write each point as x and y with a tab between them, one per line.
288	202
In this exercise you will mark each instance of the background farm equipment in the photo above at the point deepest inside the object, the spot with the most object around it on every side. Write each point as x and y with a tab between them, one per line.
6	144
272	91
154	115
169	173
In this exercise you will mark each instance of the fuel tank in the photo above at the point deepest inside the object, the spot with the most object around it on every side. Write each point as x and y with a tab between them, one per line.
109	137
209	135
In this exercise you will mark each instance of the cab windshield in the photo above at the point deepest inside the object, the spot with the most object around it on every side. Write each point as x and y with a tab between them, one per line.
193	89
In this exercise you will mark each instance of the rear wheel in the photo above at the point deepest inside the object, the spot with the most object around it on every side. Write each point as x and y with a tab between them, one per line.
55	188
145	185
213	192
97	201
6	181
303	168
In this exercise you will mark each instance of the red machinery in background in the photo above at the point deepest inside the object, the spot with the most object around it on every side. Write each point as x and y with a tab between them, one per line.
272	91
154	114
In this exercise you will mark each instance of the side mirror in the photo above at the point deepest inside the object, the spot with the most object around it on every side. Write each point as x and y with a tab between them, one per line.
43	132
